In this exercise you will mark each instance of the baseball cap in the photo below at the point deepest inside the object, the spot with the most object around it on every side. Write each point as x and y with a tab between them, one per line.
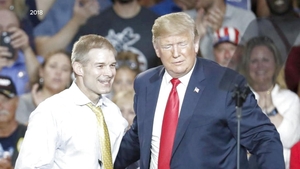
7	87
227	34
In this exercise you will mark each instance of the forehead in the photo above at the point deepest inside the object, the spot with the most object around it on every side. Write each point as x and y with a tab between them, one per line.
174	38
225	45
102	55
3	97
59	57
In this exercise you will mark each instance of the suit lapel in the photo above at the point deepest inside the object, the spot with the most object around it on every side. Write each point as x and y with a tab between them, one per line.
152	90
193	93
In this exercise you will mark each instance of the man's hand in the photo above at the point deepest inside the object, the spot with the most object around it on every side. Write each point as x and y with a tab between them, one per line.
82	12
4	54
211	19
19	38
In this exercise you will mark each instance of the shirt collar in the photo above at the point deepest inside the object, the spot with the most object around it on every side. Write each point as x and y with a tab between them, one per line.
184	79
81	99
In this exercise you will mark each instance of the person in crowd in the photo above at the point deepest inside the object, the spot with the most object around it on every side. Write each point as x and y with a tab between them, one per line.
261	64
280	26
292	70
54	76
11	132
295	156
17	59
195	123
227	50
29	12
127	25
127	70
79	127
211	15
63	22
124	100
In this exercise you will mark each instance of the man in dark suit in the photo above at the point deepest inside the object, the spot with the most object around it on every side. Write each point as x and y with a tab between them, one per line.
205	130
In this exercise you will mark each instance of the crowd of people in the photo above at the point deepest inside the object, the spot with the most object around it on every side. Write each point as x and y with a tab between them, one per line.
62	59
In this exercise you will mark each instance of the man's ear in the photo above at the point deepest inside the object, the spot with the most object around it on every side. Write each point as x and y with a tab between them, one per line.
155	45
78	68
196	43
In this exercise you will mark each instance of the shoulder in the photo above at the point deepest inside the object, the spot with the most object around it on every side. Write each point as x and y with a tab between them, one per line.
148	13
147	74
285	93
224	77
245	13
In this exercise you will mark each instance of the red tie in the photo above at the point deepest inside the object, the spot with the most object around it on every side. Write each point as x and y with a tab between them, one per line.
169	128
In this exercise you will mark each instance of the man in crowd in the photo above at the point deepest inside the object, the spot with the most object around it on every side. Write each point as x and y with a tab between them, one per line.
11	132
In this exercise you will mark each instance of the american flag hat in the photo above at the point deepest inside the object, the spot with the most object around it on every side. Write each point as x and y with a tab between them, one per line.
227	34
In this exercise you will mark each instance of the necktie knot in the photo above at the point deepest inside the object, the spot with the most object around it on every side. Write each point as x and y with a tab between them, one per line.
175	82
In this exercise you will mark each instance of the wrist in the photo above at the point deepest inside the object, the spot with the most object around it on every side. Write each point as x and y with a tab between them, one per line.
272	113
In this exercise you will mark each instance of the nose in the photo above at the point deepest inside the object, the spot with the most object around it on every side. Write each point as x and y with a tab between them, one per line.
175	51
227	55
109	71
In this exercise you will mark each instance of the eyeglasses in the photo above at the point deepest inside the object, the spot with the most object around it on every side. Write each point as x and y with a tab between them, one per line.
128	63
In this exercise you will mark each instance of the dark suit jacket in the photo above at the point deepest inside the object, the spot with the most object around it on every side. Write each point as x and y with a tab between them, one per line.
207	127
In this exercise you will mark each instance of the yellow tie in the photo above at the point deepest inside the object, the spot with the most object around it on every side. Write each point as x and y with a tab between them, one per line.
104	137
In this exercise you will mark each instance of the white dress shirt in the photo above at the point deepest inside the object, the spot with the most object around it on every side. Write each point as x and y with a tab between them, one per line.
62	133
165	89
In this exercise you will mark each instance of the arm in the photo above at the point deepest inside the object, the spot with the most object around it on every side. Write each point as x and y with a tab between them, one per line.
20	41
129	151
61	40
258	134
289	108
45	6
40	141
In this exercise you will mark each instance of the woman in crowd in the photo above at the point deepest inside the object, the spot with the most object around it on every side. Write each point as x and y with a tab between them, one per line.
261	64
54	76
127	69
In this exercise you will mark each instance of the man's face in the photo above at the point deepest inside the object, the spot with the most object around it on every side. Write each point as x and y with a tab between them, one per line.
177	53
124	1
99	73
279	6
8	108
225	55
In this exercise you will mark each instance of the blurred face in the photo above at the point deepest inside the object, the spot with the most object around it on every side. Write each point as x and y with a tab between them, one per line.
7	20
279	6
5	4
57	72
224	55
99	73
262	65
126	108
124	80
7	108
177	53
